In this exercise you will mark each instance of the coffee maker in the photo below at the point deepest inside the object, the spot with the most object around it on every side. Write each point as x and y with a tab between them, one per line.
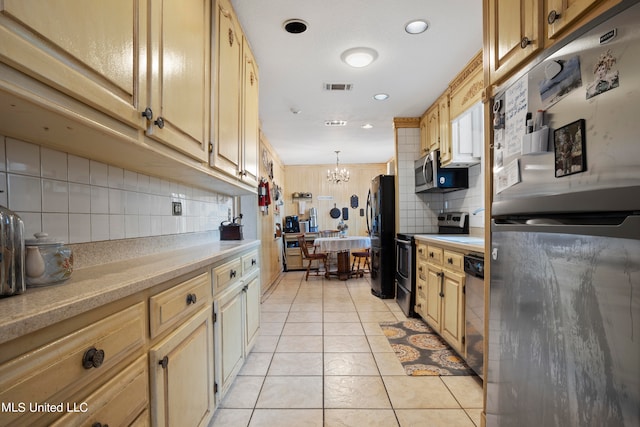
291	224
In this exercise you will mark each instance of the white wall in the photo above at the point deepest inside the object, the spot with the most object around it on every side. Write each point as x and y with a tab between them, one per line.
77	200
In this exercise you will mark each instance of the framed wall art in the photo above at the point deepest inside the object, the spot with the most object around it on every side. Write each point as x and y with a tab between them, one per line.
569	146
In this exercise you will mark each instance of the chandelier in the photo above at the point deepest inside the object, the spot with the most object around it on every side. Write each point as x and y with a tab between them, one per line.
337	175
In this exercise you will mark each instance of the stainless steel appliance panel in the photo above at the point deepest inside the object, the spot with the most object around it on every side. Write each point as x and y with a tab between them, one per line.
611	125
564	339
381	222
474	312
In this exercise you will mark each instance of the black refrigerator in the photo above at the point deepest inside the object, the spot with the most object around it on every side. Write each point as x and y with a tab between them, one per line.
381	225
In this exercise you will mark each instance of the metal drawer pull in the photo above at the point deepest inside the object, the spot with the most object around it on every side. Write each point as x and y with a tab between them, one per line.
164	362
552	17
92	358
253	261
191	299
99	425
232	274
525	42
450	260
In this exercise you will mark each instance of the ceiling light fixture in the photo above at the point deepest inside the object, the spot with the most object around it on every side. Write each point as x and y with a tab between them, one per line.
359	57
367	126
416	27
338	175
380	96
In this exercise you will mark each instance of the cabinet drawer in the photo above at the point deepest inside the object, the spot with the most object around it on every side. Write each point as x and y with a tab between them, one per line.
453	260
119	402
421	252
250	262
179	302
434	254
226	274
56	371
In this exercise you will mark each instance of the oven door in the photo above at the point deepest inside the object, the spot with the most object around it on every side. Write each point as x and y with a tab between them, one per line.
404	276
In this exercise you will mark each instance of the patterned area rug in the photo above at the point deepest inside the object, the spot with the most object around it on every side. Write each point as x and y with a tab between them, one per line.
421	351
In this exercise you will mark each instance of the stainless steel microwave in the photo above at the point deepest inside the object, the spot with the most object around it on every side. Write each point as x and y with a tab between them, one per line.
430	177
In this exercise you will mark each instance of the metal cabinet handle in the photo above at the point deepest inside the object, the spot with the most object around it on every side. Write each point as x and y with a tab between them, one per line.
191	299
92	358
232	274
450	260
147	113
441	276
159	122
525	42
97	424
431	254
552	17
164	362
254	261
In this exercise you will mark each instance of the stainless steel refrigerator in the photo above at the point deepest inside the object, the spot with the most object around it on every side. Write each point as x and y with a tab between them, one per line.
381	225
564	317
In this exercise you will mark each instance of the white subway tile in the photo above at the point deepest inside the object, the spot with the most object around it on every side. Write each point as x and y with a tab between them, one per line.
54	164
116	227
131	226
99	227
116	201
79	199
32	223
130	180
115	177
55	196
56	225
144	225
23	157
79	228
78	169
99	173
99	201
25	193
4	199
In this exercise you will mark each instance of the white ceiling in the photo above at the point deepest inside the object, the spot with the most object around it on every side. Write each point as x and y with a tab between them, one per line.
413	69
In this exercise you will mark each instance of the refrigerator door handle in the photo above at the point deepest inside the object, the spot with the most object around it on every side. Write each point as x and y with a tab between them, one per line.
369	212
622	226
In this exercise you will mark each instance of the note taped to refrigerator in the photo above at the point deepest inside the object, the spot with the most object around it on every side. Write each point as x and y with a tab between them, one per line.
508	176
516	105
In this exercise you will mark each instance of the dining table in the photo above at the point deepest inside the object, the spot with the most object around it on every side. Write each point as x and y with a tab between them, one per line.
342	246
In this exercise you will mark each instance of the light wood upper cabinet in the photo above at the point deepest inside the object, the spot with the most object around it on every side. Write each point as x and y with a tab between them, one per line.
235	135
444	133
561	15
93	54
226	116
251	125
180	75
433	127
513	35
466	88
424	135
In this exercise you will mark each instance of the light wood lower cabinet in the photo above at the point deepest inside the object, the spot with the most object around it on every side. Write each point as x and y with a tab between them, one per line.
148	359
440	292
181	367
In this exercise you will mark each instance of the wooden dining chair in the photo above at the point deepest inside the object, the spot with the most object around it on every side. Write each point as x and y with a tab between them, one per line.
360	256
315	256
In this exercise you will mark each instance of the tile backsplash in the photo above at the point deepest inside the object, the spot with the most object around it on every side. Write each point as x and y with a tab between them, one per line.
78	200
419	212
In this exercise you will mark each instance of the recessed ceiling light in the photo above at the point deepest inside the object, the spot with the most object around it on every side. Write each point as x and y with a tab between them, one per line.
333	123
359	57
295	26
380	96
416	27
367	126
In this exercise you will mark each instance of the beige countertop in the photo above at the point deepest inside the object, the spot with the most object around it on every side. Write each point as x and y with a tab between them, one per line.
93	287
459	242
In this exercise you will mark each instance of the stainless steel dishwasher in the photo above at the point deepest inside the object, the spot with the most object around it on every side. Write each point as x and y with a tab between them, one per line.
474	311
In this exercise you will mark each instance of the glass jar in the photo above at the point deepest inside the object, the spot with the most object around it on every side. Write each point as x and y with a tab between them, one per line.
47	260
12	274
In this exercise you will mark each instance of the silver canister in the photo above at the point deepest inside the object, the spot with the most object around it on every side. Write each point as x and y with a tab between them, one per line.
12	274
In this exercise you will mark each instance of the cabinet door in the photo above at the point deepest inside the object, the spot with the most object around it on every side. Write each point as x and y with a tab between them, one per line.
424	135
182	375
226	141
453	310
433	127
250	134
119	402
252	311
434	301
444	130
230	336
561	14
514	34
94	54
180	78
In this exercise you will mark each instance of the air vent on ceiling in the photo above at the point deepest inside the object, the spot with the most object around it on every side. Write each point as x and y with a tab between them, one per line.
335	123
338	86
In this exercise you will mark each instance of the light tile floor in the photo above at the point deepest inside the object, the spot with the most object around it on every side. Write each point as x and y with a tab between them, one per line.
321	360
